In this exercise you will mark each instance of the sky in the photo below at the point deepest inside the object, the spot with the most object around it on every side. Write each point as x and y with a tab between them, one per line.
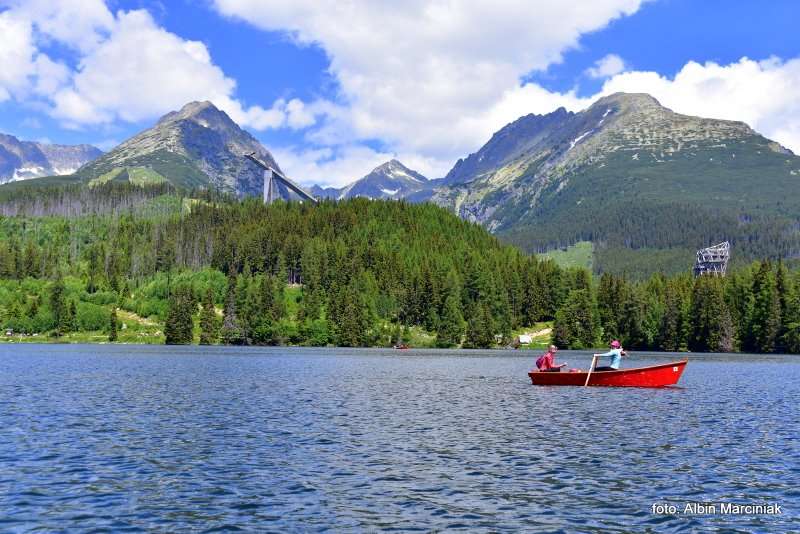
335	88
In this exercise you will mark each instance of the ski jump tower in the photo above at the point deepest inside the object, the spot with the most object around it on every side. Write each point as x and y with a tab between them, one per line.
275	180
713	261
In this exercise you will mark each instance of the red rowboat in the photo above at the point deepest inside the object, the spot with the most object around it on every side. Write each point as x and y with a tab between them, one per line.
655	376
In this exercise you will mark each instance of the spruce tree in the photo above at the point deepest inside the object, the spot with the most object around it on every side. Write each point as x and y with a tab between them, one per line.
231	332
671	322
58	305
113	325
575	325
608	302
785	295
712	326
209	329
178	327
450	329
352	328
72	317
480	328
765	319
632	330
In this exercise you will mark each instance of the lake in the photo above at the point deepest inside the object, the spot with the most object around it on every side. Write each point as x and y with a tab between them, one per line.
192	439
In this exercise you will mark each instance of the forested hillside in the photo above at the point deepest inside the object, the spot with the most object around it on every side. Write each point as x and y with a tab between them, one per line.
357	268
152	265
645	185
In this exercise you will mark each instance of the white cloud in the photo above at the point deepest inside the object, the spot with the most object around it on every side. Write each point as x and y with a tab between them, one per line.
299	115
607	66
129	68
16	55
425	76
329	166
80	24
761	93
140	72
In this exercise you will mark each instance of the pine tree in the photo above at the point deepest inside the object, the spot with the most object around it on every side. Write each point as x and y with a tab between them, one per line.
785	295
575	325
632	330
712	326
480	328
765	319
231	332
178	327
671	323
209	329
609	296
113	325
352	328
72	317
58	305
450	329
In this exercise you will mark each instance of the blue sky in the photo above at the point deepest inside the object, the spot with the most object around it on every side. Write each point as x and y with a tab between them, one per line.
334	90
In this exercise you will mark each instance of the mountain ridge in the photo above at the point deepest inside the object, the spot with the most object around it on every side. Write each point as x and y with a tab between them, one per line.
22	160
196	146
389	180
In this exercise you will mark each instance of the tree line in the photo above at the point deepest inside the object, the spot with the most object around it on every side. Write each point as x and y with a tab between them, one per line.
357	273
753	309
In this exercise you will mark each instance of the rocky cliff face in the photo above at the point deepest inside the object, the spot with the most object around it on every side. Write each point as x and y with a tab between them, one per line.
20	160
636	145
198	146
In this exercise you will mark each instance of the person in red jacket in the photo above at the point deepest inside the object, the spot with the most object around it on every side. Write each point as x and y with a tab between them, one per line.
546	362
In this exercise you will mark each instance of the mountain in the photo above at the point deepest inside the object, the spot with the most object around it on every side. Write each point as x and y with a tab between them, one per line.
628	173
392	180
198	146
21	160
324	192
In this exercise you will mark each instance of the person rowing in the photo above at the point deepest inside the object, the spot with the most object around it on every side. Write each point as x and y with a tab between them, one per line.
546	362
616	353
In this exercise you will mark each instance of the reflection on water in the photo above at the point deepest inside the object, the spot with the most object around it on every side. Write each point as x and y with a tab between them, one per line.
190	439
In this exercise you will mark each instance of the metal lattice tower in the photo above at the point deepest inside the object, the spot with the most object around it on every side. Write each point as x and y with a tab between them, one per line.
713	260
275	180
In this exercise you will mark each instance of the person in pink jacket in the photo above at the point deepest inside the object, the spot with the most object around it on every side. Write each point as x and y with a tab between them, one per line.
546	362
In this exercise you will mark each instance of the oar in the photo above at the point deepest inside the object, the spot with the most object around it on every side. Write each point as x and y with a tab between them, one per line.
589	374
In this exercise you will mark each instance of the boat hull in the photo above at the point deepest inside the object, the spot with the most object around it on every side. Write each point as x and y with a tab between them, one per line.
655	376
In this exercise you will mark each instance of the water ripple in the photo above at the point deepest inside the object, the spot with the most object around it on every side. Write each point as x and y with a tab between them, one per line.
121	439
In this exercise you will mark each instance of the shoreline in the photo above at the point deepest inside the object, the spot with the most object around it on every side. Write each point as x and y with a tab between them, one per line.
409	351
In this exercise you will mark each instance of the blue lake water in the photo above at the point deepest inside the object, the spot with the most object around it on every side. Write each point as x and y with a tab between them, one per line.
188	439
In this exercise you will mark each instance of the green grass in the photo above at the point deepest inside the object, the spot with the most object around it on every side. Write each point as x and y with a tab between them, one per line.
144	176
577	255
130	331
106	177
541	341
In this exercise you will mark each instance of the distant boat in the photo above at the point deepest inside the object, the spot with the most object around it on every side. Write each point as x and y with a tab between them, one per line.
401	346
654	376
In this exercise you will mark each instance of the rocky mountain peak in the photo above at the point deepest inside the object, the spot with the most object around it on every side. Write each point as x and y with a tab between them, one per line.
391	164
21	160
641	101
202	113
388	180
196	146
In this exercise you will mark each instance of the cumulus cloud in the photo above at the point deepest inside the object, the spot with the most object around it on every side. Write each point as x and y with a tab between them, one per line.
129	68
79	24
606	67
760	93
329	166
139	72
425	76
